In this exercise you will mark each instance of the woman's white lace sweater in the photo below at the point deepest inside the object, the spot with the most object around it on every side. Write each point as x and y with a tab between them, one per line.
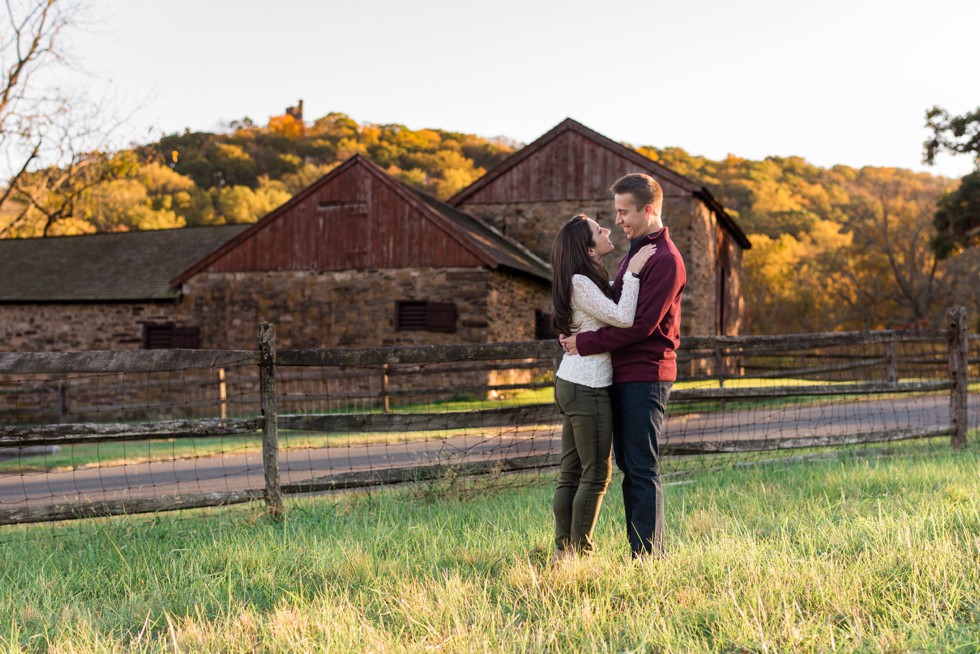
592	309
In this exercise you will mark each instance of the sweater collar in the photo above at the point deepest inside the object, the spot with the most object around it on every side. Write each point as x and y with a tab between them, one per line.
646	239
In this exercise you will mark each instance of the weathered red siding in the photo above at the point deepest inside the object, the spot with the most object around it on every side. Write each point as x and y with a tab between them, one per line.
355	221
571	167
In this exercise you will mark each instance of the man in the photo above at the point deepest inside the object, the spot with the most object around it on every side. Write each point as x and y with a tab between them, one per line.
643	357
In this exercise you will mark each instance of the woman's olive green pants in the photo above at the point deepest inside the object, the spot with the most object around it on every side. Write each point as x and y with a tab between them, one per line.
586	466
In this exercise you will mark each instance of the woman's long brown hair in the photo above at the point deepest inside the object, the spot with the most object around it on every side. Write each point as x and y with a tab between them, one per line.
570	256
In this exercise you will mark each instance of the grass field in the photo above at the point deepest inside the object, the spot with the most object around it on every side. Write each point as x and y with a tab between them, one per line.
854	554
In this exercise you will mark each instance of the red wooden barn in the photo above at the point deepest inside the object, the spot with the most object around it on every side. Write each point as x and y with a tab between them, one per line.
358	259
532	193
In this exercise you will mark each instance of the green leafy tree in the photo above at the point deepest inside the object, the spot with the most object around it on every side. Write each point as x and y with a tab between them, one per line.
240	204
168	190
957	217
952	134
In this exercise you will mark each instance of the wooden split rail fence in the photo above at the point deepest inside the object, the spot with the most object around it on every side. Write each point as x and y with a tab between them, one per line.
728	357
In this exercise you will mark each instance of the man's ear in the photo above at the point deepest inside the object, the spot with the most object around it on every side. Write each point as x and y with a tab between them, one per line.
648	211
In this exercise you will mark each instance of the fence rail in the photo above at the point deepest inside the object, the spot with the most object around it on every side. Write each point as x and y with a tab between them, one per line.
727	358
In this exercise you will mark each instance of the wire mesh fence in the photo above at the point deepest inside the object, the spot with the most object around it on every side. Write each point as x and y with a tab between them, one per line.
106	433
93	434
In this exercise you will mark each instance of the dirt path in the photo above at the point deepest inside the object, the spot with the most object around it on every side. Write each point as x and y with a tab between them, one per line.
244	471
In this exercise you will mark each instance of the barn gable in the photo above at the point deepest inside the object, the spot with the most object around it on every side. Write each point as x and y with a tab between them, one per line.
574	163
357	217
532	193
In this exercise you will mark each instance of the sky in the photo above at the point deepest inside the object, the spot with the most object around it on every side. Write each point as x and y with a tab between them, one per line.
834	82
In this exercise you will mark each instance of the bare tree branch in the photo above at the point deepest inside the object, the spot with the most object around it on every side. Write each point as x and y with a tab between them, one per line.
53	141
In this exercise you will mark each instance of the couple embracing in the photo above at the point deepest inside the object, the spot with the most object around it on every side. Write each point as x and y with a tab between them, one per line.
614	380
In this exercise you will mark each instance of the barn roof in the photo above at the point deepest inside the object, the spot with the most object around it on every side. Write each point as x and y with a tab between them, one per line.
484	242
500	250
505	252
120	267
643	163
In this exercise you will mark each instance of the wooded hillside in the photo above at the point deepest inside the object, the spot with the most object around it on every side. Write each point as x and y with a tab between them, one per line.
836	248
833	248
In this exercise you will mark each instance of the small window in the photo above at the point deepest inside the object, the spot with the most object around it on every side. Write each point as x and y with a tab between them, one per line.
542	326
425	316
441	317
167	336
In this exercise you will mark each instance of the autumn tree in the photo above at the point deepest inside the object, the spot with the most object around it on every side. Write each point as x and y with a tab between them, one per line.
55	199
286	126
798	283
833	248
891	221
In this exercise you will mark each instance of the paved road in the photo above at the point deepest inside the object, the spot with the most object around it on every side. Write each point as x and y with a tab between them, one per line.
240	472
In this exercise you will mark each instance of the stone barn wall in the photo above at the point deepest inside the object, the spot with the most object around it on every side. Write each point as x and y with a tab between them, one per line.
357	309
513	304
76	327
333	309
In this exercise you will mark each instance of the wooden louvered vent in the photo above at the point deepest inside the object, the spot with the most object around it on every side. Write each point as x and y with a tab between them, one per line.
412	315
167	335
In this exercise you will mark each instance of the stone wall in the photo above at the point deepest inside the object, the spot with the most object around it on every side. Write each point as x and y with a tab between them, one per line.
735	309
74	327
310	310
720	253
512	305
83	397
333	309
357	309
698	245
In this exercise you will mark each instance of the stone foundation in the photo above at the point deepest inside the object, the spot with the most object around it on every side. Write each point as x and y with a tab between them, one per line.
356	309
76	327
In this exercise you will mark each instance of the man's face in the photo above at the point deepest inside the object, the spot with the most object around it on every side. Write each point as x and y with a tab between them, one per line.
634	220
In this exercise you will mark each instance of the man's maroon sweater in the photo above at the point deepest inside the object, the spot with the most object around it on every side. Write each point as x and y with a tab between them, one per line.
645	352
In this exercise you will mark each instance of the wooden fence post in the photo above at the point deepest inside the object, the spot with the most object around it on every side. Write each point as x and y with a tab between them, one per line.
270	414
959	352
62	400
222	394
891	363
720	367
384	387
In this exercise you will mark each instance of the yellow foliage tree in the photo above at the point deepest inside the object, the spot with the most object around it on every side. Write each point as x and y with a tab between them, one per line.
287	126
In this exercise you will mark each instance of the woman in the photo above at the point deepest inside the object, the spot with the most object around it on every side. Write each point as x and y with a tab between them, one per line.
583	301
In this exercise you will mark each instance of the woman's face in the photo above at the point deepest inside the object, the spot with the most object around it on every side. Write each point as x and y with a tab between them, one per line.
603	245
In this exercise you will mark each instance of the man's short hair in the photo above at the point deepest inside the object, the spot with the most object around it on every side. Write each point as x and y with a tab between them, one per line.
644	189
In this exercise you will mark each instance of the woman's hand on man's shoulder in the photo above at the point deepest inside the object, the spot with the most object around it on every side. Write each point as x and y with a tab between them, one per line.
641	257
